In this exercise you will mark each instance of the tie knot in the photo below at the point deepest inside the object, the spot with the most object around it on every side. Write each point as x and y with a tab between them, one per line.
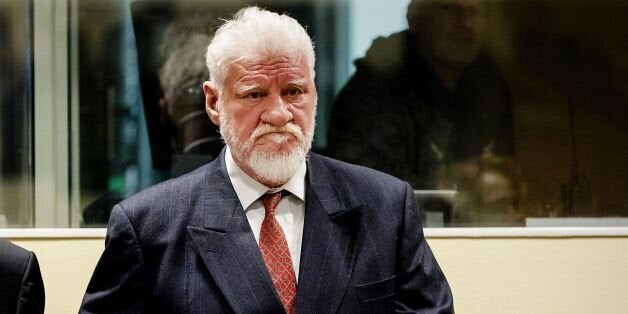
271	201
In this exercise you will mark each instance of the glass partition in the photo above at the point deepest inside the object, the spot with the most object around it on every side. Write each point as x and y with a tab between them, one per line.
497	112
16	110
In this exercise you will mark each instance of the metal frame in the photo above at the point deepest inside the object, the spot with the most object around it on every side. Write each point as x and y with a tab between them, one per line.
51	113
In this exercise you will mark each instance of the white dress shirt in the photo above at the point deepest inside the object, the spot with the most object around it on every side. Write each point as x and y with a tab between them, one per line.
290	212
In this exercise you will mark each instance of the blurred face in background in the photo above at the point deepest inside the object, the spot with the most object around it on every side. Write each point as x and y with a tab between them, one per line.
450	31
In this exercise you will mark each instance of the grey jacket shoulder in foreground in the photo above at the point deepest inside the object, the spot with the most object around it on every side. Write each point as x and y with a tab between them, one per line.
20	278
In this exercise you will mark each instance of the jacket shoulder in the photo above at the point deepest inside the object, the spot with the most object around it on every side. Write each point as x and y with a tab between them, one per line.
12	255
354	176
159	198
188	180
386	57
13	264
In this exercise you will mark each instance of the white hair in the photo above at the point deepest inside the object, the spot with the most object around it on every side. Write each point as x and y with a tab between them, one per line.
256	33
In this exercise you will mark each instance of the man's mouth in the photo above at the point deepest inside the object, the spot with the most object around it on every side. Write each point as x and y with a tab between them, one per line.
277	137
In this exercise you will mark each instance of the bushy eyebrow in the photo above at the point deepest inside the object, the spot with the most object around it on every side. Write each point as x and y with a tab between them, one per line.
245	89
298	82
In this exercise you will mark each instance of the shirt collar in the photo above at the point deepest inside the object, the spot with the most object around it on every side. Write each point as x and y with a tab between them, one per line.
249	190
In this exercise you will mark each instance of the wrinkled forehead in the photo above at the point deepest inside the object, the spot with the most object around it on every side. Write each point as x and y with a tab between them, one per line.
280	67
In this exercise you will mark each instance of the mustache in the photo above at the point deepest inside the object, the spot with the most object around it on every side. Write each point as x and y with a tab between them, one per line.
290	128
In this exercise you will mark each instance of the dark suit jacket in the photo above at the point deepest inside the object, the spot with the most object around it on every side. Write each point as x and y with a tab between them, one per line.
21	286
185	246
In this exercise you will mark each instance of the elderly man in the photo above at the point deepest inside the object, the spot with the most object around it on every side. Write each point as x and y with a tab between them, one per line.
267	227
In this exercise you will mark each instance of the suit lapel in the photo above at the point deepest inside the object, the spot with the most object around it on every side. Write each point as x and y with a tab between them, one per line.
228	248
327	250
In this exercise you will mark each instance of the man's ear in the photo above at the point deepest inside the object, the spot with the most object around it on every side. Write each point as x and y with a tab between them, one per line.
211	102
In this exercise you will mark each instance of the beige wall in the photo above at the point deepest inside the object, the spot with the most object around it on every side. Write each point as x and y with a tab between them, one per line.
487	275
66	266
536	275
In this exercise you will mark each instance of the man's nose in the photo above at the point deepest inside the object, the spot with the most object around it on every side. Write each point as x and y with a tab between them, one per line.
277	111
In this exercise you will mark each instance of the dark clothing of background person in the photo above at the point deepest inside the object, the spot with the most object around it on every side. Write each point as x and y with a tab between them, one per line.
21	286
394	114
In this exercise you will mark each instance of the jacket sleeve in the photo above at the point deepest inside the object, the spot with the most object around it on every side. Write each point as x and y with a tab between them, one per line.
421	286
31	298
118	284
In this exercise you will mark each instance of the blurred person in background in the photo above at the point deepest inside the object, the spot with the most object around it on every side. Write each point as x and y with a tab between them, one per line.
195	138
426	100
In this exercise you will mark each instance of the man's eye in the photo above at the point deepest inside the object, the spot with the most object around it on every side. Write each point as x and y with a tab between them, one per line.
255	95
293	92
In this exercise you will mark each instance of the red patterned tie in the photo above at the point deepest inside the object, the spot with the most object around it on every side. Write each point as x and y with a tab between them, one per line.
274	248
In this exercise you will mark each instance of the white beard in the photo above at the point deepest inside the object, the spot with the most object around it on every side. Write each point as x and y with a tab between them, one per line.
275	168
